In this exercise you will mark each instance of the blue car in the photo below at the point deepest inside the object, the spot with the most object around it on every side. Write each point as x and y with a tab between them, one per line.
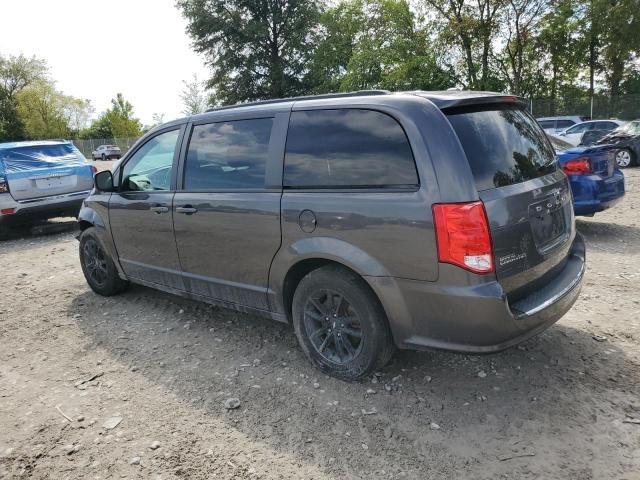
42	179
596	181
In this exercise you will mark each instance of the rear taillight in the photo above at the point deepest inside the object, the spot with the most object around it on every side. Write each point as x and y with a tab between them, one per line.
462	232
94	169
577	166
4	185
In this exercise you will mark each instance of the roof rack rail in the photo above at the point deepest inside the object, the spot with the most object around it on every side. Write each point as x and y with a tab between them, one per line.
359	93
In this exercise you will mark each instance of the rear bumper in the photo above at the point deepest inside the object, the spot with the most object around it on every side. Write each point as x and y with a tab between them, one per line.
593	193
41	207
477	318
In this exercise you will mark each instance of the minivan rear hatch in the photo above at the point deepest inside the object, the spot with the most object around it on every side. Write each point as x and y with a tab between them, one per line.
525	194
43	170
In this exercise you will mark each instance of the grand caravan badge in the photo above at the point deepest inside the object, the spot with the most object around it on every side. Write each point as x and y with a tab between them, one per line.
512	257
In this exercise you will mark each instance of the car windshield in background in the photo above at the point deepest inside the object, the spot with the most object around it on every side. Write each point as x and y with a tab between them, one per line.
558	144
631	128
504	146
49	152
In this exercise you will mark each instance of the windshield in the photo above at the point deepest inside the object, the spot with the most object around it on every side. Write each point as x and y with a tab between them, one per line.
558	144
631	128
504	146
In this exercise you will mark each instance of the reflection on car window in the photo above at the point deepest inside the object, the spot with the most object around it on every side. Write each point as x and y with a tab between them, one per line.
558	144
347	148
503	146
631	128
228	155
149	169
565	123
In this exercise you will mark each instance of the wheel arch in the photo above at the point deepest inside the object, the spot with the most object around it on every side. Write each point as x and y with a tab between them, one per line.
292	264
302	268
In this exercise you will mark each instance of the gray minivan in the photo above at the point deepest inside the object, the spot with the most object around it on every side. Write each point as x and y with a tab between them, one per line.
369	220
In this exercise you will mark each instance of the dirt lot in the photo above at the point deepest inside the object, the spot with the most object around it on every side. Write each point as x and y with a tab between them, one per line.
563	405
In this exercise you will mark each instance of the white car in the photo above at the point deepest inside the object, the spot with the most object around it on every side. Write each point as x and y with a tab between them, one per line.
574	134
106	152
556	125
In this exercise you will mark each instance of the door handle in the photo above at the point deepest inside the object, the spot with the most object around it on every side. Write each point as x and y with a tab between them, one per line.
159	209
187	209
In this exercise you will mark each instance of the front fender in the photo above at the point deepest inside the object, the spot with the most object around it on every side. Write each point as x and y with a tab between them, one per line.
89	217
95	213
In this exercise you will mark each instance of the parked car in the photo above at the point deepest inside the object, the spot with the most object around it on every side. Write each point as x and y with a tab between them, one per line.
627	140
596	182
42	180
369	220
599	128
106	152
556	125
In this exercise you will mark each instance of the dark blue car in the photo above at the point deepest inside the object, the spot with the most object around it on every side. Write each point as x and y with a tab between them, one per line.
596	182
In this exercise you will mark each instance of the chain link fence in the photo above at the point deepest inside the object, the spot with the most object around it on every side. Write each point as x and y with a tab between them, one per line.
623	107
86	146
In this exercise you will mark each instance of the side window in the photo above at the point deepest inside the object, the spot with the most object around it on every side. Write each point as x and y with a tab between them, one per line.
547	124
581	128
228	155
149	169
606	125
347	148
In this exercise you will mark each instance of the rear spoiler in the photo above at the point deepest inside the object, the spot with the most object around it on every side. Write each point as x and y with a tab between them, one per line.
484	101
461	99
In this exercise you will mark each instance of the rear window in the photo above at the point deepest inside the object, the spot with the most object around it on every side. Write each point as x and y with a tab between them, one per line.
347	148
504	146
548	123
49	152
565	123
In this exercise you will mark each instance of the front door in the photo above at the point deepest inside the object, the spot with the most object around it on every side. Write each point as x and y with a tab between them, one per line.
227	223
141	216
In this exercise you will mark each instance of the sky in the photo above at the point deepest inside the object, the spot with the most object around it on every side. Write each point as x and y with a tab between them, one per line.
95	49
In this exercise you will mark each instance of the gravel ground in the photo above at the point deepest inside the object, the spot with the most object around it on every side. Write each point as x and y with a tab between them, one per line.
135	386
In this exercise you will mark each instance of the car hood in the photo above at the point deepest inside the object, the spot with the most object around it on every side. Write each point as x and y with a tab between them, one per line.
614	138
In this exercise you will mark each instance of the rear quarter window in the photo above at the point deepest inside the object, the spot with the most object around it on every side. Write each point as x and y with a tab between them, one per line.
40	156
503	147
347	148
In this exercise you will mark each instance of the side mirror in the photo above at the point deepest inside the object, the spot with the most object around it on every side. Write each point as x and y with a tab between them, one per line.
104	181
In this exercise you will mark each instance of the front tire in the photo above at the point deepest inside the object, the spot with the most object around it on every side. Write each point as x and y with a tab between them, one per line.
625	158
103	157
97	266
340	323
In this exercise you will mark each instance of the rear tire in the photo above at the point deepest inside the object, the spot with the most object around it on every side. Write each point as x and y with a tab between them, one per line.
340	323
625	158
98	267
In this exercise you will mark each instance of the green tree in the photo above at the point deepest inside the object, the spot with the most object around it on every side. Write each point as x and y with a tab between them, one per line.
16	73
193	97
116	122
41	109
374	44
560	51
256	49
517	61
46	112
620	41
468	31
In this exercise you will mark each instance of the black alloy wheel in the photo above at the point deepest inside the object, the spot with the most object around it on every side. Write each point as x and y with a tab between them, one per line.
95	262
333	326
